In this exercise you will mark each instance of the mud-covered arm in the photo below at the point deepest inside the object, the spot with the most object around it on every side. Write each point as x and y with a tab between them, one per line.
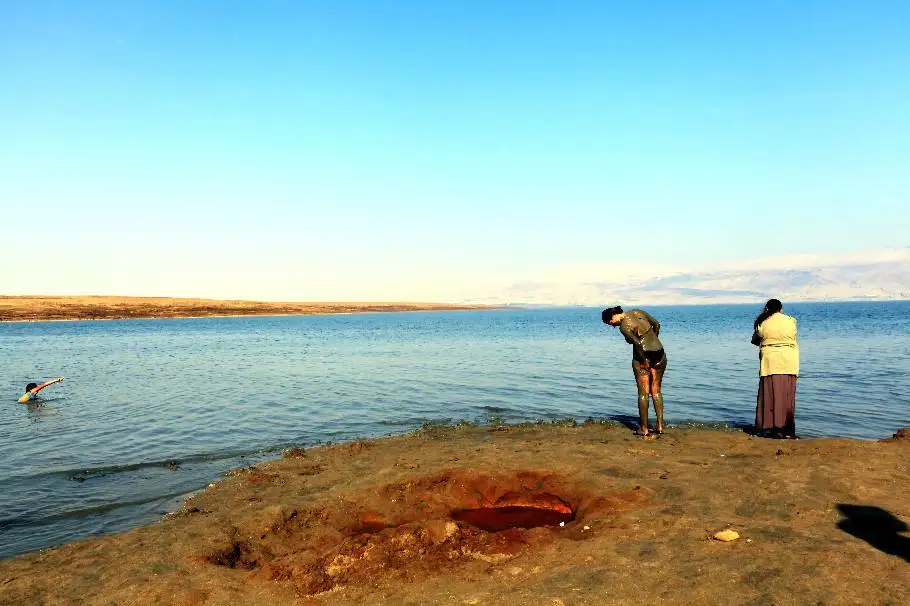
655	325
633	340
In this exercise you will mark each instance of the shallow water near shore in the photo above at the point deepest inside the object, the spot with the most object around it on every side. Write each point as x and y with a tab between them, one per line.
154	409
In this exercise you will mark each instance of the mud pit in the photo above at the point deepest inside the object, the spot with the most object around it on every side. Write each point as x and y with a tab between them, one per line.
424	526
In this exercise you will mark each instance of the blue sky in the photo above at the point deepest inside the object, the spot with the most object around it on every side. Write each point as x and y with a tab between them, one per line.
319	150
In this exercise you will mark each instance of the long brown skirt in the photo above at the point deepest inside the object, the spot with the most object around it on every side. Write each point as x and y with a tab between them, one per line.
776	407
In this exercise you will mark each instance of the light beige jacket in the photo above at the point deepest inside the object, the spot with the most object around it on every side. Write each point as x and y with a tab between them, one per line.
779	353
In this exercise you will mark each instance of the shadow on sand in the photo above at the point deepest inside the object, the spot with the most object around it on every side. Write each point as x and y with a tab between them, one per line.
627	421
877	527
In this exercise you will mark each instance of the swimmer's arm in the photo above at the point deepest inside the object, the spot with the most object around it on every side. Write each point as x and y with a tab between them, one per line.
43	385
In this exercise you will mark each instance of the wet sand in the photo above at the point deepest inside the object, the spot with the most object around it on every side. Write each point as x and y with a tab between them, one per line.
43	308
390	521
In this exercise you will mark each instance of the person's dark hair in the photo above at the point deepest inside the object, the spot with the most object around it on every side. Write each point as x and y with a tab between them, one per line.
31	386
607	314
771	307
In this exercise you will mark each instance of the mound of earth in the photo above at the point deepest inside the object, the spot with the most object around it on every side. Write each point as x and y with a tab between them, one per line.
422	526
515	515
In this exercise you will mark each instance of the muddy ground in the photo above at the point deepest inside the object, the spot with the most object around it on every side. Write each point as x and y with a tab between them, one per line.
38	308
391	521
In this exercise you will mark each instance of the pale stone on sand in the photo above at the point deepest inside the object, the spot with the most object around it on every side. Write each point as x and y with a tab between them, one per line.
726	536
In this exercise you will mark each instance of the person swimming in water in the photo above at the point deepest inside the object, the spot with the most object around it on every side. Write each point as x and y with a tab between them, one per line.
649	361
32	389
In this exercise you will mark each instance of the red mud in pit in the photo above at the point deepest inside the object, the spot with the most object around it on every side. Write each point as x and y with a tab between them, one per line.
421	527
516	510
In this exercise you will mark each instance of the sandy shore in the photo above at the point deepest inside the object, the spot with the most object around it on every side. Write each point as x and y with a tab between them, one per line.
820	521
43	308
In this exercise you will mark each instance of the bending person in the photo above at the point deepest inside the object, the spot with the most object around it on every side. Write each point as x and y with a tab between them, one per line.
649	361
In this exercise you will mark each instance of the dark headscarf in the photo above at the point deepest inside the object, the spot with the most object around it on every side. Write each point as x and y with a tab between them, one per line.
771	307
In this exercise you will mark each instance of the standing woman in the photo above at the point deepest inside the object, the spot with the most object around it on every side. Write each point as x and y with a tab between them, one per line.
649	361
775	334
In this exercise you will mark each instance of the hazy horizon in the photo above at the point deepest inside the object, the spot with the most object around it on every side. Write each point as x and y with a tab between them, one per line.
874	275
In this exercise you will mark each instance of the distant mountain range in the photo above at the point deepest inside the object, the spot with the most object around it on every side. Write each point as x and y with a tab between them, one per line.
873	275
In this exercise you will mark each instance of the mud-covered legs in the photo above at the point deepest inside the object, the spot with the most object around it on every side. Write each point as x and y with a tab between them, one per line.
657	397
648	380
643	382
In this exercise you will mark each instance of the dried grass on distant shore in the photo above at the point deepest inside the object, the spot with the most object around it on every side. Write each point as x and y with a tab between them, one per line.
38	308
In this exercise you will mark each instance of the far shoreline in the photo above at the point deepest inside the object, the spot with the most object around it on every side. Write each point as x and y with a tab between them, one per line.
263	315
20	309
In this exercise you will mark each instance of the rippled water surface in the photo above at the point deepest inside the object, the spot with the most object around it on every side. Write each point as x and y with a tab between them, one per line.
211	394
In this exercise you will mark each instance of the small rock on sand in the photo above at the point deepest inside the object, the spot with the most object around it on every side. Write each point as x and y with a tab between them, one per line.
726	536
293	453
440	530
